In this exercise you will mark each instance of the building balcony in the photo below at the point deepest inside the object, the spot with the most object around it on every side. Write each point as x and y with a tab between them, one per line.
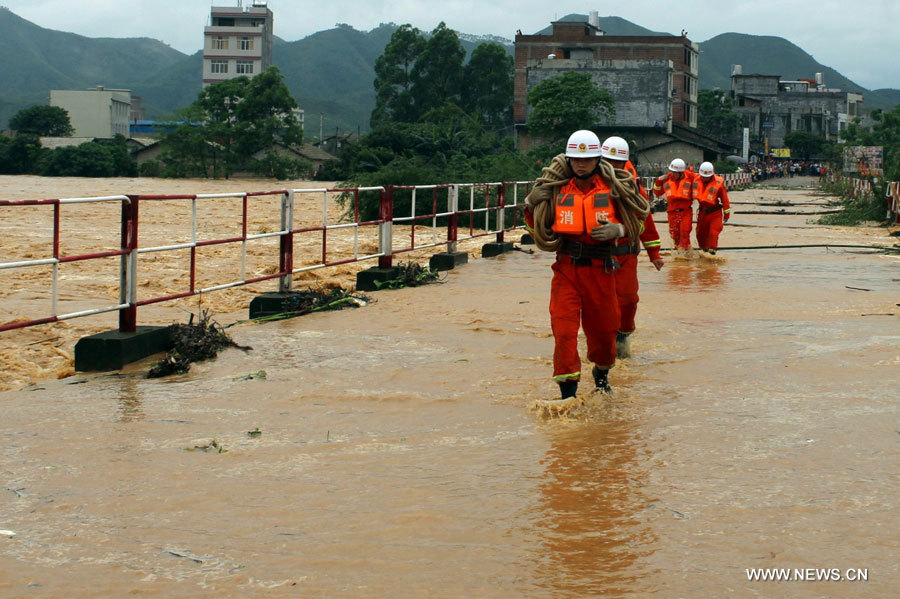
235	54
233	30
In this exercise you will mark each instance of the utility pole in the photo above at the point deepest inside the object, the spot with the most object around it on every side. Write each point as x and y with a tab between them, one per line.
321	120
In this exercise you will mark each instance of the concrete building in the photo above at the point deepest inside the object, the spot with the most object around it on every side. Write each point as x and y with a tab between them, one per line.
97	112
654	79
772	108
237	41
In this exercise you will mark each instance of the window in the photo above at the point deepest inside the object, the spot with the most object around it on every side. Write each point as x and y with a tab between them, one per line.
220	43
687	112
218	66
246	43
244	67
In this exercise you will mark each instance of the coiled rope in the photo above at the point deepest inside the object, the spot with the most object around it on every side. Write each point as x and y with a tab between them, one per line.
631	207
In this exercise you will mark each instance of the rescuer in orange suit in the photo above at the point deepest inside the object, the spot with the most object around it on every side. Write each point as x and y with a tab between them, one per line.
714	209
583	288
615	150
677	187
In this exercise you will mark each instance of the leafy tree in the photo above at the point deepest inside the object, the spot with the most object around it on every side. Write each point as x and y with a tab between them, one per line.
804	144
488	85
51	121
438	72
715	116
221	126
20	154
266	114
393	76
885	132
568	103
230	122
186	150
92	159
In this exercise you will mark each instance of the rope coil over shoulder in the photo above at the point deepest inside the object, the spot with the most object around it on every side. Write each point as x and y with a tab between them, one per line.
631	207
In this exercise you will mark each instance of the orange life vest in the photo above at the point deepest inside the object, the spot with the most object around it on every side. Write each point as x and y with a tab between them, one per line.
708	194
678	190
577	212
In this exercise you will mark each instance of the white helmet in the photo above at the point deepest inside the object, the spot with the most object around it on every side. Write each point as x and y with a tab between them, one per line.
614	148
677	165
583	144
706	169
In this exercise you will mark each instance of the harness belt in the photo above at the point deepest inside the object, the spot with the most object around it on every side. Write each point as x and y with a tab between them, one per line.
712	209
584	254
577	249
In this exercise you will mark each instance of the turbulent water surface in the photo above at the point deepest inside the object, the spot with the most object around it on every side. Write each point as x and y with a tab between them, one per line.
394	452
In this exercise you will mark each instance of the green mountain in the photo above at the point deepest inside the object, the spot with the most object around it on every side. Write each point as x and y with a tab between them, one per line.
609	25
763	55
36	60
330	73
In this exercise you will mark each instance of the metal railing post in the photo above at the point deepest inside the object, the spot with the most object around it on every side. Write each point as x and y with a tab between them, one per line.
453	219
501	212
286	247
386	229
128	266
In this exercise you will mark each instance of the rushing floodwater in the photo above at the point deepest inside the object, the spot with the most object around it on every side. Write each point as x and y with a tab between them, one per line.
755	427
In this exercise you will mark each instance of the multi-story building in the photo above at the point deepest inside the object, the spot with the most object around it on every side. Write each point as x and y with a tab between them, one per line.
97	112
237	41
654	79
772	108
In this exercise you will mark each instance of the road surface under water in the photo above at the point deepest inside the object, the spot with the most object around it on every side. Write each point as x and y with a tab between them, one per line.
756	426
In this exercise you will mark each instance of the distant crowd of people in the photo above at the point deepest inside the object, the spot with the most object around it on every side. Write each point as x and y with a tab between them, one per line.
774	169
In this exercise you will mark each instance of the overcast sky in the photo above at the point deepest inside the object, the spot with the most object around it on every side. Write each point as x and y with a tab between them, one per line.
858	38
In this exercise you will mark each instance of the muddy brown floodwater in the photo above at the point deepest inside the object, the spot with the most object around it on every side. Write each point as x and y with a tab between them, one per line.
755	427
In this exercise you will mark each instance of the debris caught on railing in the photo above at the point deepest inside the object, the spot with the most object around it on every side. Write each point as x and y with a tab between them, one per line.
193	343
315	300
411	274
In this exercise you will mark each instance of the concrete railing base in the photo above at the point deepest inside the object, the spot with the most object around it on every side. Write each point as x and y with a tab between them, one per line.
268	304
367	280
489	250
111	350
448	260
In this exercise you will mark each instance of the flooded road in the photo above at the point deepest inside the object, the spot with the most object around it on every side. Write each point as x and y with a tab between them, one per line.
394	453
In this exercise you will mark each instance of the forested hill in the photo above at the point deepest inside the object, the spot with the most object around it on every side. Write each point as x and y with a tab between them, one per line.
769	55
330	73
765	55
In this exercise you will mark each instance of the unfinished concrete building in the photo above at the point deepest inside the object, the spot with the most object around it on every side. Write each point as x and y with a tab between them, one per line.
772	108
653	79
661	71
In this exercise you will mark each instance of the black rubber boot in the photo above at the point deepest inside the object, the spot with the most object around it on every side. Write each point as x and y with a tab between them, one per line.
601	381
623	346
568	389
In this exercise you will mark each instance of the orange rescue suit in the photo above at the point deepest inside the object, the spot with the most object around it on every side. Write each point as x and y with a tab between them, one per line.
714	210
679	196
582	292
627	277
